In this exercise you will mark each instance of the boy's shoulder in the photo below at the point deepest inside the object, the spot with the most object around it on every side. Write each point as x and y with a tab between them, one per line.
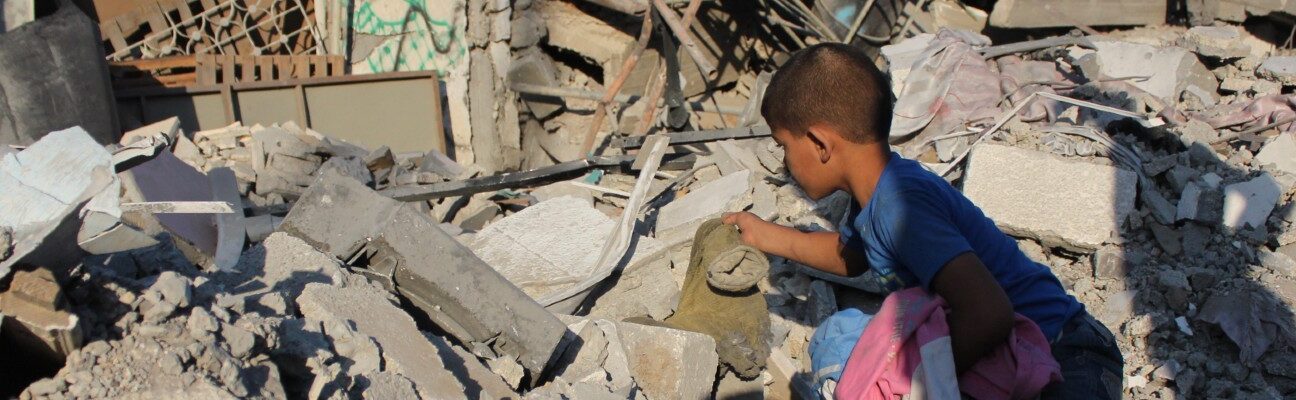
903	175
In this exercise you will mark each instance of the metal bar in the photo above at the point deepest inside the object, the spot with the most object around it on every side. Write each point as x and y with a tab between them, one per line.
698	136
501	181
179	207
625	6
681	31
1254	130
1010	48
859	21
550	91
600	111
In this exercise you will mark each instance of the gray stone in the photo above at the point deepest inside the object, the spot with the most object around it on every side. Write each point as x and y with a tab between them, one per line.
1175	287
405	349
1217	42
669	363
349	166
1110	263
533	67
1069	204
1278	262
1168	238
1170	69
1195	238
389	385
560	189
201	324
1237	85
1281	152
1280	68
1159	165
1188	203
677	221
239	340
337	213
646	287
1180	176
174	288
1250	203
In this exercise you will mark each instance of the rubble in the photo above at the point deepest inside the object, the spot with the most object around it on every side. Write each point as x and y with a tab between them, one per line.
997	184
540	241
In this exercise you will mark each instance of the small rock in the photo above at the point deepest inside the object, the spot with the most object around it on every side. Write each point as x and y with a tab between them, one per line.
1279	152
1238	85
201	324
1277	262
1182	323
1280	68
1176	289
1110	263
1216	42
1168	238
174	288
239	340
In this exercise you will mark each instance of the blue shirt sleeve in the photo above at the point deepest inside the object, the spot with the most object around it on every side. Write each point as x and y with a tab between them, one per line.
849	234
917	229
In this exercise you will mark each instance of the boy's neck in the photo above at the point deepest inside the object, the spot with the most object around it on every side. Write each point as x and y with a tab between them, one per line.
867	161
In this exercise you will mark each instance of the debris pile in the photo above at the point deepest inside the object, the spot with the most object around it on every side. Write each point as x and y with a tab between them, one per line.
419	199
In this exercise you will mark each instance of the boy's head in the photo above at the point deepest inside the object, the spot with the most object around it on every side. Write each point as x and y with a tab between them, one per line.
826	97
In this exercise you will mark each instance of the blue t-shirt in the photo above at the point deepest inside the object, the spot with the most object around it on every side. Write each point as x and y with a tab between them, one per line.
916	222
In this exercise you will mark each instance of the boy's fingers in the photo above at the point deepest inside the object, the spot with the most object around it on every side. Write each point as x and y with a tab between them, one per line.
729	218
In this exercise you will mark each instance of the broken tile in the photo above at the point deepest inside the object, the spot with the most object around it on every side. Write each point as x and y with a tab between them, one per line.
1070	204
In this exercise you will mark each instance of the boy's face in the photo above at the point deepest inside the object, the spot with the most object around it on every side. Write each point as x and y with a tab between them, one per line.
802	158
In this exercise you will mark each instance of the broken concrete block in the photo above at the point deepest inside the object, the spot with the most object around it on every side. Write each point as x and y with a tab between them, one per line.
349	166
1170	70
550	246
1249	203
1110	263
646	287
404	348
1281	152
54	195
600	358
461	293
1279	68
337	213
1070	204
565	188
1216	42
678	220
166	178
36	323
533	67
666	363
1049	13
389	385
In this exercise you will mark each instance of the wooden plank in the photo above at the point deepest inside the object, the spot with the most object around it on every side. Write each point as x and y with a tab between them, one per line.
182	6
116	37
187	61
301	67
283	67
247	69
337	65
227	67
304	118
318	66
153	12
267	68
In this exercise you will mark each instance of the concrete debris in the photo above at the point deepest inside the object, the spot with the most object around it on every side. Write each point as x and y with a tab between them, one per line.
196	255
1248	204
1093	199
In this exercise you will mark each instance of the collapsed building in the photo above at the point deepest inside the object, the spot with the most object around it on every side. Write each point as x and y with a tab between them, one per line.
400	199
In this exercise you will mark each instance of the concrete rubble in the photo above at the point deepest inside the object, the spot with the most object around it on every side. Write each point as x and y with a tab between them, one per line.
1147	159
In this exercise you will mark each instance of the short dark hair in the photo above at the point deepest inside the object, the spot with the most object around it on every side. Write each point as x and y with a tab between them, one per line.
830	83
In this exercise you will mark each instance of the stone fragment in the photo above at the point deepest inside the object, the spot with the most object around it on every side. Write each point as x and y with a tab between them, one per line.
670	363
1170	70
1168	238
1110	263
565	188
1188	203
550	246
1236	85
1216	42
1175	287
174	288
1279	68
1281	152
1277	262
403	249
37	327
1043	14
353	167
678	220
646	287
1195	237
1249	203
405	349
389	385
239	340
278	269
1069	204
1179	176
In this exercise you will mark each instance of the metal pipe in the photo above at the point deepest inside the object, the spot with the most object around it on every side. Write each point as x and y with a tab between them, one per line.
681	32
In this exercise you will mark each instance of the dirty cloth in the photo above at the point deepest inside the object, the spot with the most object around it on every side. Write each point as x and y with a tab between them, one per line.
735	267
738	320
1257	112
905	350
948	86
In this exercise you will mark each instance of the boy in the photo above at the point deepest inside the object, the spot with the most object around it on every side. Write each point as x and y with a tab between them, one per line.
830	110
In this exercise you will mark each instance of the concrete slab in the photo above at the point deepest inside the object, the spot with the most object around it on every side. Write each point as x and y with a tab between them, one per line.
1280	68
1216	42
337	213
678	220
550	246
670	363
1281	152
1062	203
404	348
1250	202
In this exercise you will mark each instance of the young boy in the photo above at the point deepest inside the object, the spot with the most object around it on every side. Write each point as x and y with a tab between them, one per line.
830	111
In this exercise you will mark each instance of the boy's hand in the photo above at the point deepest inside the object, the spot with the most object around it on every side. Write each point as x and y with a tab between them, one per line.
755	231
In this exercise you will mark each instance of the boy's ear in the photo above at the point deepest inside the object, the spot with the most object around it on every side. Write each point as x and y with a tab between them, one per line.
822	139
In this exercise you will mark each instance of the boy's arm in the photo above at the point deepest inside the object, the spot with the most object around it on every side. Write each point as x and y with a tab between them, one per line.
819	250
980	317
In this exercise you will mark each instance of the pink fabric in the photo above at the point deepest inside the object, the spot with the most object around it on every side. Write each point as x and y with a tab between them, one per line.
885	358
